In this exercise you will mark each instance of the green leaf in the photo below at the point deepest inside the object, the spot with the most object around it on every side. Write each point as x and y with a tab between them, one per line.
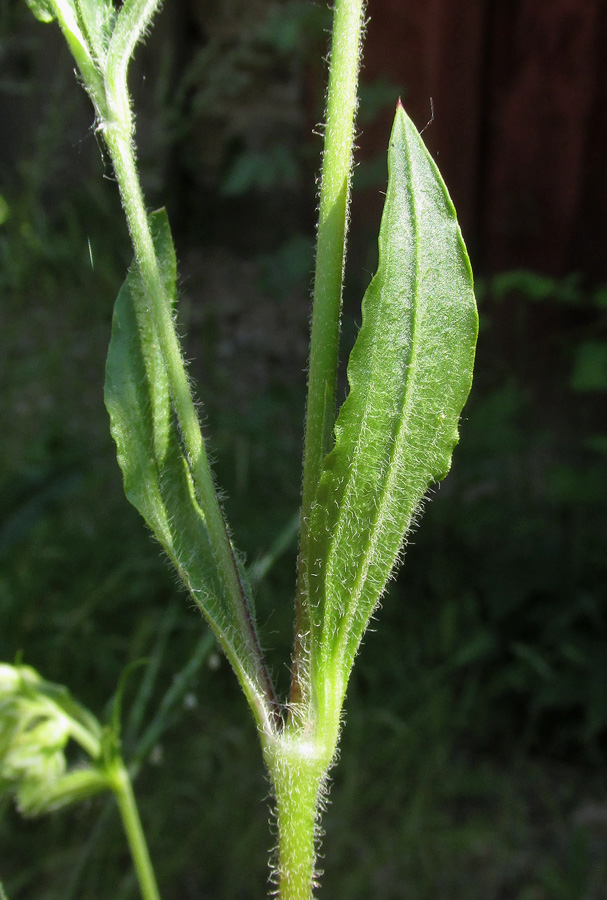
157	475
89	21
410	373
35	797
80	21
96	19
43	10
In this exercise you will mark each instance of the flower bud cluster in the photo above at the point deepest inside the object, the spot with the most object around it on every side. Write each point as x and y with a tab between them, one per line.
37	719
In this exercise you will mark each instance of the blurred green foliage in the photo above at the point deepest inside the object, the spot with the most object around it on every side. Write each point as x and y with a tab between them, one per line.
472	764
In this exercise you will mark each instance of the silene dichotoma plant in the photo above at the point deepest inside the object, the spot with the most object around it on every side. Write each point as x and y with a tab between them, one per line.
365	471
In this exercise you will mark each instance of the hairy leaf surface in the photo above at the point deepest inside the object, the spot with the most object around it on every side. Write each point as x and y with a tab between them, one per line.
157	475
409	373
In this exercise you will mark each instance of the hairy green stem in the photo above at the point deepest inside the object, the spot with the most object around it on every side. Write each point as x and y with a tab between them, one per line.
131	24
117	130
123	790
296	810
303	753
342	102
298	765
260	695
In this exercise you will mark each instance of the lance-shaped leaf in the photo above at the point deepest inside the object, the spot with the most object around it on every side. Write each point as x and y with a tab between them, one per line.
157	474
86	26
409	373
96	19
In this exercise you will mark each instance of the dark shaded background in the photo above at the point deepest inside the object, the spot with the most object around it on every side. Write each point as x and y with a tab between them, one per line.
519	93
473	761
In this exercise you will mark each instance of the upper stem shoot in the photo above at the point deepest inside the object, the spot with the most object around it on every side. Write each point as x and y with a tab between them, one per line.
342	103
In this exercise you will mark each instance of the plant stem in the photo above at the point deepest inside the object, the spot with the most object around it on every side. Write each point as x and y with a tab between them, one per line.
342	102
121	784
118	130
302	755
260	694
158	309
298	772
